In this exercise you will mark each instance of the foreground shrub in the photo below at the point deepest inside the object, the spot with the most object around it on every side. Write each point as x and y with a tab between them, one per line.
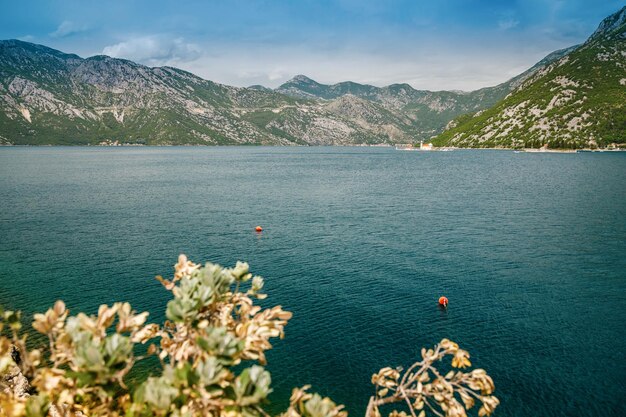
211	351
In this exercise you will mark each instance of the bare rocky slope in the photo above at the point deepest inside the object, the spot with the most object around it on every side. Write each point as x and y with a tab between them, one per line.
50	97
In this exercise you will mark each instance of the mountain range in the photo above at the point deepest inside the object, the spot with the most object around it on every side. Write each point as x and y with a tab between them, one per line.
573	97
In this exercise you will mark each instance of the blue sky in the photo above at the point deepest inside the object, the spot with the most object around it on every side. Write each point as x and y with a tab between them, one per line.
437	44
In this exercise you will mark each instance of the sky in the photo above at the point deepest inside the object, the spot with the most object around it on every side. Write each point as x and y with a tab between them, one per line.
435	45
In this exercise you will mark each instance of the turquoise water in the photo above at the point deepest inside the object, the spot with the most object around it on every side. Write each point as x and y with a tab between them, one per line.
359	243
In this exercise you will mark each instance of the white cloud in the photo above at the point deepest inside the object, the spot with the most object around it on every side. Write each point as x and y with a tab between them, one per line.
155	50
506	24
460	67
277	74
67	28
455	62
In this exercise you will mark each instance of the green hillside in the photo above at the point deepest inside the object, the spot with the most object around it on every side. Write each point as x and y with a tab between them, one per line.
577	101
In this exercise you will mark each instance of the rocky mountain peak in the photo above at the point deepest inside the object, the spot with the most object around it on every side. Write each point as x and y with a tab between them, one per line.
17	45
302	79
614	24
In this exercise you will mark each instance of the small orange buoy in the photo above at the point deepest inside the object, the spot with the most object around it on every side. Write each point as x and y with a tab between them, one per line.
258	229
443	301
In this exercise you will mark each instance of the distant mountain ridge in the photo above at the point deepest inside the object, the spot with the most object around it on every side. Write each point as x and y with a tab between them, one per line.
577	101
51	97
427	112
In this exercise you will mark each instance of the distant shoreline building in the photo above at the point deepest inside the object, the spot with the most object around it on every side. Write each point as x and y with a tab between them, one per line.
426	147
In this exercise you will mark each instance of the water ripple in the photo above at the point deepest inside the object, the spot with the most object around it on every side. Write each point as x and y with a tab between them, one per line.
359	244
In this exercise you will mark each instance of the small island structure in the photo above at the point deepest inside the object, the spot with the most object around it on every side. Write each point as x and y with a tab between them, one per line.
545	149
422	147
426	147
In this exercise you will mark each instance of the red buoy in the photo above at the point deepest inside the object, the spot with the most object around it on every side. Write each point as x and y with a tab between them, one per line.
443	301
258	229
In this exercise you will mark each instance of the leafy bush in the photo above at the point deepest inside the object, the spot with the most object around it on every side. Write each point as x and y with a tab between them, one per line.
211	355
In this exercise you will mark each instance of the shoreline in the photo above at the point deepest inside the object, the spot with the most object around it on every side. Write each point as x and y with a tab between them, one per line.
390	146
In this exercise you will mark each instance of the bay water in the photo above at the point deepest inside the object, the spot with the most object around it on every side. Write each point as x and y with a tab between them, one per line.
359	243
